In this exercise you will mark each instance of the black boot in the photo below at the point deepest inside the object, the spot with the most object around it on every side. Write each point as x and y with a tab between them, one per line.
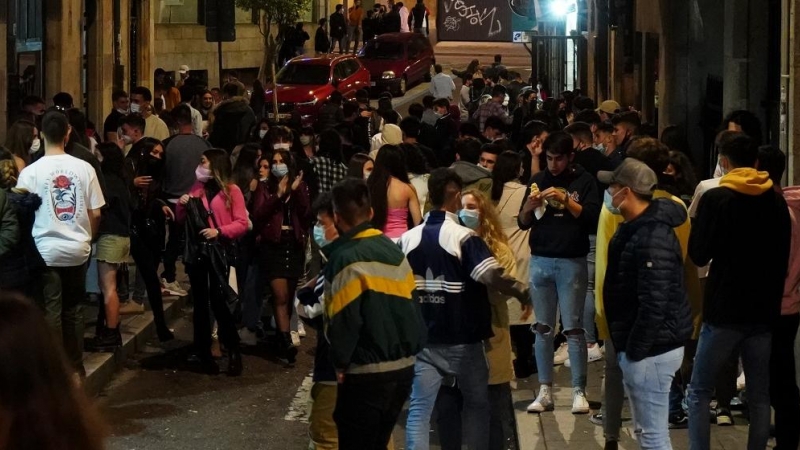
234	363
164	334
286	351
107	341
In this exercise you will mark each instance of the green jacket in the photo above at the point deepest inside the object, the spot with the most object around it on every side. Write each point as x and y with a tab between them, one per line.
371	319
9	229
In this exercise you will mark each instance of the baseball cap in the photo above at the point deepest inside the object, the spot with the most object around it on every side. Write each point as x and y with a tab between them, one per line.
183	69
609	107
632	174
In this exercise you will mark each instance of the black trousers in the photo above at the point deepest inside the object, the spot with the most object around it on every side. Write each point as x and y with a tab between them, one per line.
367	407
173	249
146	255
783	391
207	296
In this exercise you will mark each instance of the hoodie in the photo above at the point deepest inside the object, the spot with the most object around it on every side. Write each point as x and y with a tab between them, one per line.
474	177
645	291
745	227
231	123
791	288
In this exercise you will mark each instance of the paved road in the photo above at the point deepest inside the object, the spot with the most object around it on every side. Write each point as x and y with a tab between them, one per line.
156	403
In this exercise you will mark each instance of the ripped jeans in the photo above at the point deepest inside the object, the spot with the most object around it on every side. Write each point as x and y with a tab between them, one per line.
559	284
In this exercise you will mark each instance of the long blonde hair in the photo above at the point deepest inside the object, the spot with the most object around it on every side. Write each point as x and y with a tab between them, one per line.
8	173
490	230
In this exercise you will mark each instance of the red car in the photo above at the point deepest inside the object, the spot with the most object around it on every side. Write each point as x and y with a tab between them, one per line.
398	60
304	84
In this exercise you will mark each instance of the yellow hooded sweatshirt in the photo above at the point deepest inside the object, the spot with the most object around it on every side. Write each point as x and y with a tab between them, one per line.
606	228
746	180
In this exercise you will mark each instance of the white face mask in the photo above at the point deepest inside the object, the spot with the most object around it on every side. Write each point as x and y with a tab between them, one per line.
122	111
305	140
126	139
35	145
135	108
262	133
282	146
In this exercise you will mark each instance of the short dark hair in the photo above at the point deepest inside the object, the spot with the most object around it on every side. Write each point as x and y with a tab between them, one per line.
533	129
749	122
559	143
146	94
351	201
630	118
437	68
187	93
438	182
55	126
411	126
580	130
336	98
651	152
741	150
62	100
495	123
469	129
182	114
468	149
339	7
362	95
322	22
492	148
427	101
581	103
118	94
323	204
442	103
498	91
772	160
416	110
134	120
589	116
230	90
605	127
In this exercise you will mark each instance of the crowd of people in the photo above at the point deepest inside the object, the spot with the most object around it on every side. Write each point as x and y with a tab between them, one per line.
491	234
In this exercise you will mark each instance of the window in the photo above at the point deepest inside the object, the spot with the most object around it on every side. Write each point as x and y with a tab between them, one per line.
384	50
340	71
310	74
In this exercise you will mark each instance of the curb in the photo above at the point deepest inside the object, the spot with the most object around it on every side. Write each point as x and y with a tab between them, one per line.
136	330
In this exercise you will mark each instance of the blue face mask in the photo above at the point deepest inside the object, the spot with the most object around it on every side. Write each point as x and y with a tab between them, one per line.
280	170
608	201
319	236
470	218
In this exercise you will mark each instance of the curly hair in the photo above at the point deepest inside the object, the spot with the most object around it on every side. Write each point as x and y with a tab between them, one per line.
490	230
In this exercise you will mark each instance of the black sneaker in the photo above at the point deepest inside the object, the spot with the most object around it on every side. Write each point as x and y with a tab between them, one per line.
597	419
107	341
678	421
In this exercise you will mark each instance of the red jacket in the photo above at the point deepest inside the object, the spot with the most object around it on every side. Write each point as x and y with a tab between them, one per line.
232	220
268	212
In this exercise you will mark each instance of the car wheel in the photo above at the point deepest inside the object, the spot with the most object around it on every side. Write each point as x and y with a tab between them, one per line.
401	89
428	76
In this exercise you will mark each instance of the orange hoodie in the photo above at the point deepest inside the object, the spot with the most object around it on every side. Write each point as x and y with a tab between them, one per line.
791	289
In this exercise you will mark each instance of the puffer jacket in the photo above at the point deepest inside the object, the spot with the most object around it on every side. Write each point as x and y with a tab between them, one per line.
645	291
22	263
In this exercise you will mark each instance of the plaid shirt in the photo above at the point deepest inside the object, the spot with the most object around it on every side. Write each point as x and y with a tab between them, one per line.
489	109
328	171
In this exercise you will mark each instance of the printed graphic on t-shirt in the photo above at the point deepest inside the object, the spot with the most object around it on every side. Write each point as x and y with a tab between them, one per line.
64	198
65	195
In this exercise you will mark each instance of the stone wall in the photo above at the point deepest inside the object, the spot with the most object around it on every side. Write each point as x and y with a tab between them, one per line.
175	45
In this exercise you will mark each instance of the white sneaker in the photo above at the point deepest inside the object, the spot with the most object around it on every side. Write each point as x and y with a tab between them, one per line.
561	355
579	403
301	329
740	384
248	337
543	402
173	288
593	354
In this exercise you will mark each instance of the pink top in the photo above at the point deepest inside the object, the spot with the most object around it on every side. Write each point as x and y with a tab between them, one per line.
396	222
232	220
791	289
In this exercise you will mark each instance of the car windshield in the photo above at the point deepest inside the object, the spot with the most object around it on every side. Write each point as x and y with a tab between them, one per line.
304	74
383	50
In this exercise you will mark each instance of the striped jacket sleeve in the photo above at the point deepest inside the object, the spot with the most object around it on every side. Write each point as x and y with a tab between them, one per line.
483	268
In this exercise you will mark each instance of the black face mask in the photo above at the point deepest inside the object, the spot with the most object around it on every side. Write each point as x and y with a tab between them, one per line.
153	166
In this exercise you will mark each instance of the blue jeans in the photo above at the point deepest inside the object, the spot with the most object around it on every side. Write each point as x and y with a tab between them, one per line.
588	306
716	345
467	363
559	284
647	383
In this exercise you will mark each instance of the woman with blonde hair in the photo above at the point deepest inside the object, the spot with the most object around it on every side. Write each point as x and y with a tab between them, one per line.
478	213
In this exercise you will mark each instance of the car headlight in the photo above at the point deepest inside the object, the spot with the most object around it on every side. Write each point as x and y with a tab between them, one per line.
311	103
389	74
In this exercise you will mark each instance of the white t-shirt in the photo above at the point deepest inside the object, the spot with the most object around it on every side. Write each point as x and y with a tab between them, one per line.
69	188
702	187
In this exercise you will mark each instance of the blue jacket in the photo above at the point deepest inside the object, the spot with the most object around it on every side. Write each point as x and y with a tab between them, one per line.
452	269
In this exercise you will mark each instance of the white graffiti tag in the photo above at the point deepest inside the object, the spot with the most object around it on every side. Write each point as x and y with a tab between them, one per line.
475	15
452	23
